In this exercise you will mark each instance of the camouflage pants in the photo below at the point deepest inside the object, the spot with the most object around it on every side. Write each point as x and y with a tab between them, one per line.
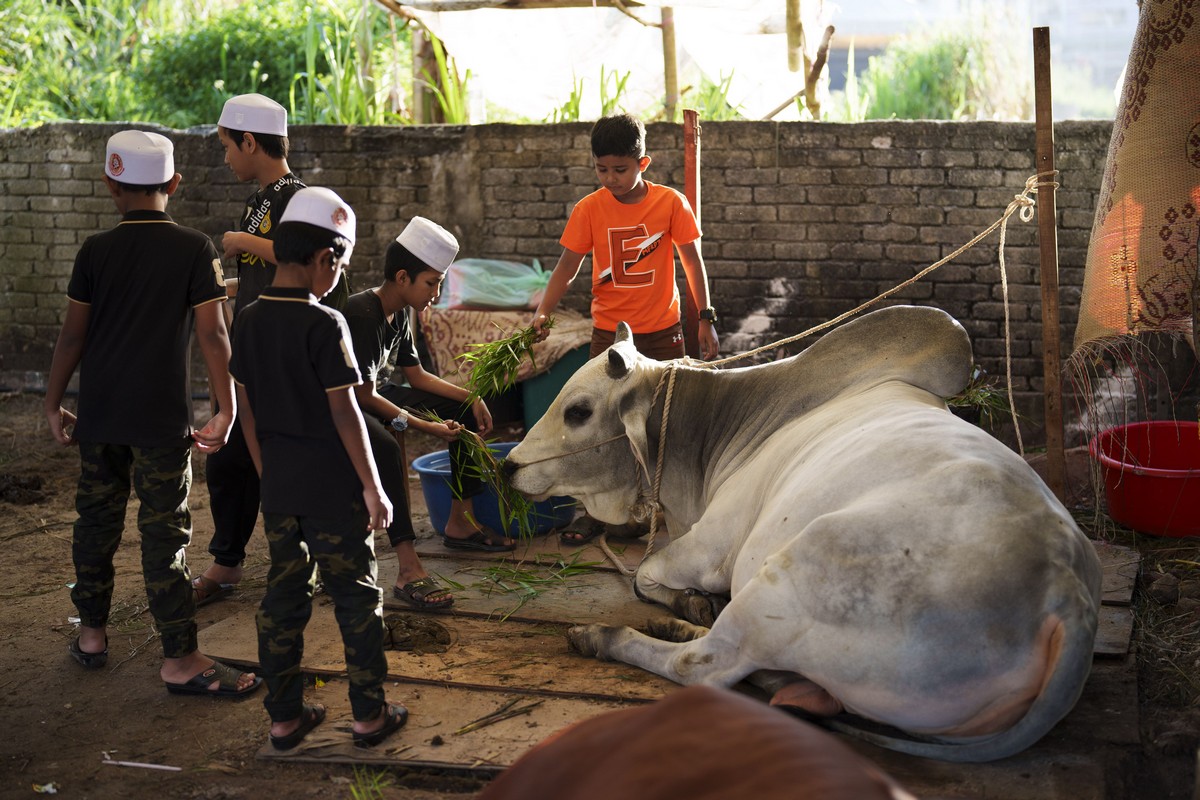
162	477
344	550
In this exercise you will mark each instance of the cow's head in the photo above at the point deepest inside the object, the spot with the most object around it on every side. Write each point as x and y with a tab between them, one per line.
591	439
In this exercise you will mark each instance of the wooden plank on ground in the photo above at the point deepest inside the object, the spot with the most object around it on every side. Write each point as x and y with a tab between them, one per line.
585	596
1120	565
1114	632
436	714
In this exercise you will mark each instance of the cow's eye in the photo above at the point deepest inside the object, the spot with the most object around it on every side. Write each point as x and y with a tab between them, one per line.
577	413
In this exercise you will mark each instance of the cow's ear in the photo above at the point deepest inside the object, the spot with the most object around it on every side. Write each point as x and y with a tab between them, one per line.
624	333
618	363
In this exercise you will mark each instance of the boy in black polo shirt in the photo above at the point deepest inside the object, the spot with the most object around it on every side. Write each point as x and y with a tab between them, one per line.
321	497
253	131
133	294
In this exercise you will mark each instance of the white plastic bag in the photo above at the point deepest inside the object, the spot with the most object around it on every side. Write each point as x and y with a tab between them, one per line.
490	284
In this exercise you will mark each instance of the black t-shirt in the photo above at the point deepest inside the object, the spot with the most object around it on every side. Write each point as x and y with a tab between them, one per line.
263	211
288	352
375	338
141	281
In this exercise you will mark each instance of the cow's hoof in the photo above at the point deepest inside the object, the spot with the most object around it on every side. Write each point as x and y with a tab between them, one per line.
701	608
588	640
674	630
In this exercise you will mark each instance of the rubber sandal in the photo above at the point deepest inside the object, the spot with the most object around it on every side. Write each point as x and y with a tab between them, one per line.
227	686
86	659
582	531
206	590
479	540
310	717
416	593
394	718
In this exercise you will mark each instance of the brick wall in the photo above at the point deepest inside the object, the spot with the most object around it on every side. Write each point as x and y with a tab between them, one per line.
802	221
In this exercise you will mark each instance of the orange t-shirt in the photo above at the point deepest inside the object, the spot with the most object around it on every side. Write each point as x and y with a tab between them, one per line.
633	255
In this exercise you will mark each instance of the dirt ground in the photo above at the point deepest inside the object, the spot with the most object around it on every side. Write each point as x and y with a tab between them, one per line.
62	723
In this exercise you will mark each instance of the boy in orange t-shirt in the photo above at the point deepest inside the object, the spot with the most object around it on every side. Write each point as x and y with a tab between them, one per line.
632	227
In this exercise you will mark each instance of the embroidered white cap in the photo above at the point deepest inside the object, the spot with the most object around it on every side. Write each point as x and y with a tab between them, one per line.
254	113
139	158
435	246
319	206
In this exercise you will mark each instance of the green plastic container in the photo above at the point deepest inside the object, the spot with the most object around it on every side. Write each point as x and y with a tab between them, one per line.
539	392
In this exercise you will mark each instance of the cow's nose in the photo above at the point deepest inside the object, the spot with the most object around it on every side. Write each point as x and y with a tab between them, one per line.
509	468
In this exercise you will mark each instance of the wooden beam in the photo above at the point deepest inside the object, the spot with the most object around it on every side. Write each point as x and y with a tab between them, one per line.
511	5
1047	214
691	190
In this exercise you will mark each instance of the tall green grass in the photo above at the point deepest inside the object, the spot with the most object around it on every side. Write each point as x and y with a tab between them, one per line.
973	71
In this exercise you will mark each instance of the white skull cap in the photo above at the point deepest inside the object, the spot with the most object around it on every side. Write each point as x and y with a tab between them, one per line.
139	158
435	246
254	113
319	206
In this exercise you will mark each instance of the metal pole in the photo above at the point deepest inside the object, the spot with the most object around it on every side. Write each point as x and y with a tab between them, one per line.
1048	247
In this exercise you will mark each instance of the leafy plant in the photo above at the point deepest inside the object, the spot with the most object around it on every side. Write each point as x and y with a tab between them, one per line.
338	84
447	87
569	110
712	99
854	105
610	102
368	784
187	74
966	72
982	397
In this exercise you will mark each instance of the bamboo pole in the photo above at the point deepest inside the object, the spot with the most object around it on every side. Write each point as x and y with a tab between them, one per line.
670	63
691	190
1048	249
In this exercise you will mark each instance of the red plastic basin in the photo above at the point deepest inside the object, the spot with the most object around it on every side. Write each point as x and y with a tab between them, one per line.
1152	476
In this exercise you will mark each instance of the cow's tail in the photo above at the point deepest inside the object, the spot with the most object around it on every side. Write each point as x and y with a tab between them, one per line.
1059	695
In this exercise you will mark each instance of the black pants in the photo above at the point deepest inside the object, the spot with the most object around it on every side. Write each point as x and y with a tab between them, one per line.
465	481
233	493
393	476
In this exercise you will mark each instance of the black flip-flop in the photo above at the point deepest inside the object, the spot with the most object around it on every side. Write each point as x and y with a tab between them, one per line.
227	686
393	720
585	529
86	659
416	593
310	717
479	540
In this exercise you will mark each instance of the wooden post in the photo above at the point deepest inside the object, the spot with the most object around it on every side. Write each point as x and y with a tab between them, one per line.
691	190
1056	468
670	63
422	60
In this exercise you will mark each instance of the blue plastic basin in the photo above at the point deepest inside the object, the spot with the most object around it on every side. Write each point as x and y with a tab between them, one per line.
434	470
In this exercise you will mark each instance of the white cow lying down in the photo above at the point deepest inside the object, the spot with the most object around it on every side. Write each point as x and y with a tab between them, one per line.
881	556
